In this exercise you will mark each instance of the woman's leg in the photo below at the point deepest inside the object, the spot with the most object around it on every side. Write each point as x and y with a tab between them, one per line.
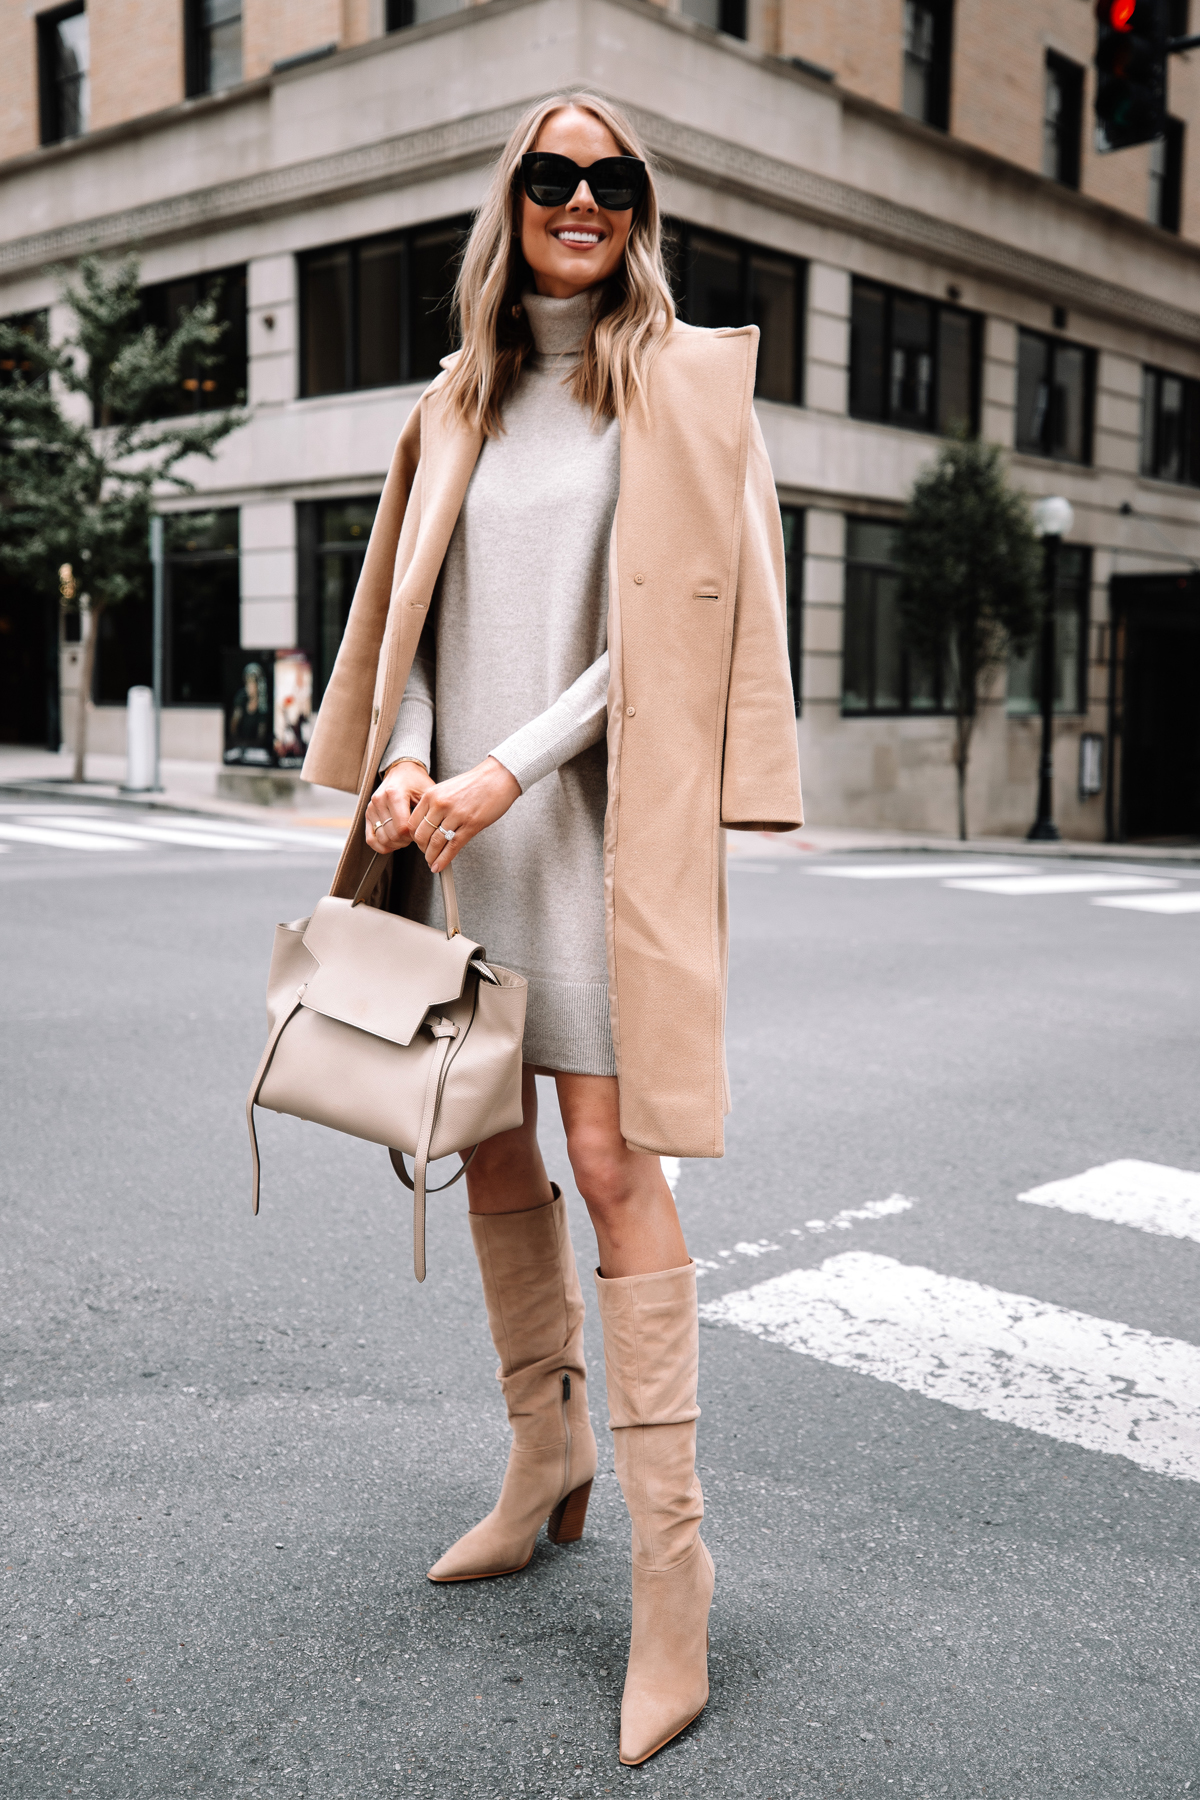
637	1227
535	1312
647	1290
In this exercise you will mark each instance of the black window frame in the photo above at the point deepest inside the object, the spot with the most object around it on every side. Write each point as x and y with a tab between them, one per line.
1062	133
312	546
794	520
1153	459
36	326
1055	346
49	83
905	707
353	248
1166	183
1073	601
731	17
178	557
197	50
224	384
679	236
889	296
937	70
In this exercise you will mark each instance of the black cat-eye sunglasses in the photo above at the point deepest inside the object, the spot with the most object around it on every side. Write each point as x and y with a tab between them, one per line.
616	182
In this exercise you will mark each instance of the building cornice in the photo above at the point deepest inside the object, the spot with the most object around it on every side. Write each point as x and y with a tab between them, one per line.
714	162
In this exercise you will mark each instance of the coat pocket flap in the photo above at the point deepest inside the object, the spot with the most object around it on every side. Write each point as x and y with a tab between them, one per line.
381	972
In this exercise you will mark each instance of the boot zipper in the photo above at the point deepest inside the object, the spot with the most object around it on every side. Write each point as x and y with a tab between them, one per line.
566	1395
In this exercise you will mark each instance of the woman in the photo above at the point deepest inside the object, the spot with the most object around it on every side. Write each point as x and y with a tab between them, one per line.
567	658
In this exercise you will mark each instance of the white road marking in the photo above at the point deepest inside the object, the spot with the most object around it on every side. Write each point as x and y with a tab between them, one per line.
1149	1196
917	870
1058	884
842	1221
1158	903
185	836
1086	1381
63	840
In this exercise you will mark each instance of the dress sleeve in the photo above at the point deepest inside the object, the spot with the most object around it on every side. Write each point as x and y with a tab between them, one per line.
412	739
577	720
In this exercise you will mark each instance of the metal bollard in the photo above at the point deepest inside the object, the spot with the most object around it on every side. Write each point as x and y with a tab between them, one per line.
139	741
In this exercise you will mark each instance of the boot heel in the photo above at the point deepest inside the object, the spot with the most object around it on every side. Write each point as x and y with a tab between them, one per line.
565	1524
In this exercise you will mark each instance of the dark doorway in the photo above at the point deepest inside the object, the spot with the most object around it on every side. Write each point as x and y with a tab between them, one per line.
28	666
1156	647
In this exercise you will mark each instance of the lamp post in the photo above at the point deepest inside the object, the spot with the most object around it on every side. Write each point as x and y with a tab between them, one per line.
1052	520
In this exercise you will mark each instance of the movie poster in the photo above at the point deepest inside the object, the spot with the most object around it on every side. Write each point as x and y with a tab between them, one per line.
292	712
268	708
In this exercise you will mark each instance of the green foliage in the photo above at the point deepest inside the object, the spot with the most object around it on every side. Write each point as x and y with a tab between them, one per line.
81	453
971	577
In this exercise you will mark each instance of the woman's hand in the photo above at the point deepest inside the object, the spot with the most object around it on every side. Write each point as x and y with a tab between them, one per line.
389	810
464	805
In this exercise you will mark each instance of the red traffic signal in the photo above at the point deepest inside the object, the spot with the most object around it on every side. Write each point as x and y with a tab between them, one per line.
1131	72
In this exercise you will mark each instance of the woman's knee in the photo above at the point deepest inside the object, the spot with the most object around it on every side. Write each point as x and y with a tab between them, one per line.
603	1173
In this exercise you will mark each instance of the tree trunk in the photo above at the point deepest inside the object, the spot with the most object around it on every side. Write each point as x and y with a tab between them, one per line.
89	616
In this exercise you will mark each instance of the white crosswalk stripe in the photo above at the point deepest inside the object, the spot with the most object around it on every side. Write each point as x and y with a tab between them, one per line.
66	839
1147	1196
172	834
1091	1382
95	829
917	869
1156	903
1022	885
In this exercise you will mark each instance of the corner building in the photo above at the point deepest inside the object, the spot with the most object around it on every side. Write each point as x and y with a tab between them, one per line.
902	194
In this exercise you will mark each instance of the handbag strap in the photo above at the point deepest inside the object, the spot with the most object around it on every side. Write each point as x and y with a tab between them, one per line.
449	897
444	1031
260	1075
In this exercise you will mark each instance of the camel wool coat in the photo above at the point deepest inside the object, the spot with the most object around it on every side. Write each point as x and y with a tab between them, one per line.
701	719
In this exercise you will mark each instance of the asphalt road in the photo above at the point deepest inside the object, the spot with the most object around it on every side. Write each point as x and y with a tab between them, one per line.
233	1446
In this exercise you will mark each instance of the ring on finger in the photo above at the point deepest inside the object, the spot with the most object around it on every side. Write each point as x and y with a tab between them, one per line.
446	831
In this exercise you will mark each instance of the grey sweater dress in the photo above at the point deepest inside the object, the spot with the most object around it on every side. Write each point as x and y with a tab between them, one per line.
513	664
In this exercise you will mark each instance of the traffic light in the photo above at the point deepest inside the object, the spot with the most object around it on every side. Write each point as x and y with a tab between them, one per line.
1131	72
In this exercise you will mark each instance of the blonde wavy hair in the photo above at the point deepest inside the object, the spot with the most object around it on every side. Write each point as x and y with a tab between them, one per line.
635	310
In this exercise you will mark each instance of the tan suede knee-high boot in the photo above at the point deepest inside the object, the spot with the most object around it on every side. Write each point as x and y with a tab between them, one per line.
651	1357
535	1311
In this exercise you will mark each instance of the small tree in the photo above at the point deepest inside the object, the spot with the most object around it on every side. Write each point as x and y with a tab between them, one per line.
971	587
76	494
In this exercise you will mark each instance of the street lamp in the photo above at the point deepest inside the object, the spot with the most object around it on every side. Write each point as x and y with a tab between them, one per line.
1052	520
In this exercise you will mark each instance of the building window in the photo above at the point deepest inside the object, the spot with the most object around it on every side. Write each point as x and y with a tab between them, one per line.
399	14
63	72
719	15
1054	398
1070	644
721	281
203	610
377	312
1170	427
223	383
927	36
331	538
1166	177
880	674
1062	121
793	564
14	366
913	362
212	45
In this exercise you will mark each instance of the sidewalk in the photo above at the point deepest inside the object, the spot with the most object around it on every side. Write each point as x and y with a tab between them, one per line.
192	788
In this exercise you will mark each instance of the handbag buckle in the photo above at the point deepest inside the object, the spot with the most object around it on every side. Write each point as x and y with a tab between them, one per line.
442	1028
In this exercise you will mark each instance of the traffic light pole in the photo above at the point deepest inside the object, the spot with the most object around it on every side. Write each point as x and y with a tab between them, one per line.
1175	45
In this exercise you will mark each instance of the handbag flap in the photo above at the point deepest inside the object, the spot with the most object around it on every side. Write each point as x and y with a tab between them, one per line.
381	972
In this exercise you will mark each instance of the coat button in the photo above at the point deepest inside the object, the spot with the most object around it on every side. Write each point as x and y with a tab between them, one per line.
639	579
374	715
630	710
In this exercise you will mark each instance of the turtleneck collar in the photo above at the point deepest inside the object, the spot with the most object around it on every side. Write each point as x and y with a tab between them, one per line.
559	326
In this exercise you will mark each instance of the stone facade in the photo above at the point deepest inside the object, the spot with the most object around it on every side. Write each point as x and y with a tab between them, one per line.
393	131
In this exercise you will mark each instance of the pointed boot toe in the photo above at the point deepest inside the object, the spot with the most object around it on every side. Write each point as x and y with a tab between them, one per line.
666	1685
487	1549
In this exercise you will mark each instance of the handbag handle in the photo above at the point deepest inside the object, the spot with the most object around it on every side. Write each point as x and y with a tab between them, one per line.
449	897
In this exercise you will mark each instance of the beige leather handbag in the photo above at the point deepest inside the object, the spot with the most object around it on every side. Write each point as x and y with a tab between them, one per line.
390	1031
